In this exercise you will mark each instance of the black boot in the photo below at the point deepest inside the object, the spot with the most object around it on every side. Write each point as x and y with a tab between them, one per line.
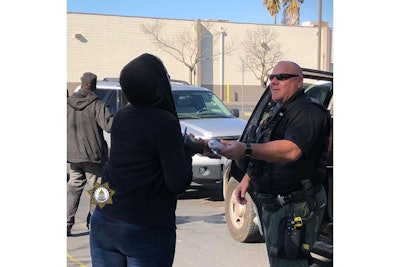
69	230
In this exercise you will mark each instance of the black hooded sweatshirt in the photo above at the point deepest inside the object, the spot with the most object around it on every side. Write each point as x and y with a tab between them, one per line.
148	165
87	117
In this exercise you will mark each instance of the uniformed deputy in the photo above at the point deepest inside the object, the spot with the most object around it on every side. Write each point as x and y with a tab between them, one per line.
284	168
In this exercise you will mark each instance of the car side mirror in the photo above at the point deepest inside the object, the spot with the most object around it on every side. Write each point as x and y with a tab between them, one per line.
235	112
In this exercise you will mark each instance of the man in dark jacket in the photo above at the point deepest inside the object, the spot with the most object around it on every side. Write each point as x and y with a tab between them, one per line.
87	151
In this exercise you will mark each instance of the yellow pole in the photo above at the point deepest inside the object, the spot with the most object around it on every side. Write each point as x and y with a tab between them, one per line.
228	92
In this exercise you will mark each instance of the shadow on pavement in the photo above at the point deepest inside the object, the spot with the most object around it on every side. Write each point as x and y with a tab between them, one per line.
216	219
211	192
80	234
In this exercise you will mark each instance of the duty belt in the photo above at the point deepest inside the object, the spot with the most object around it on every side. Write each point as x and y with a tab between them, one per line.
273	202
281	200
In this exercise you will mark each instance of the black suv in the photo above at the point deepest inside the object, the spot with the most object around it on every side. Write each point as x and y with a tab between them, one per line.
242	220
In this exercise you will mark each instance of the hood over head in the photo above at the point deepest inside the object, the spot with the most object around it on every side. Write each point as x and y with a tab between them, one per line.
145	82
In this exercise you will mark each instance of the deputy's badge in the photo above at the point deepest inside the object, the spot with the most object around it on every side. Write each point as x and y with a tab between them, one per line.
101	194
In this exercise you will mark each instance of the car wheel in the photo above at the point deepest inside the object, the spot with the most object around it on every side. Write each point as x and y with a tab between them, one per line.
225	179
239	218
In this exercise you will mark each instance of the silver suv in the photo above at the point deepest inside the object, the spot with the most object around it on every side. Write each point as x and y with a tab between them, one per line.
199	110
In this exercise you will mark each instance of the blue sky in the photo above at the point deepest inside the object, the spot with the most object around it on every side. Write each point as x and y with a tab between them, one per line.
251	11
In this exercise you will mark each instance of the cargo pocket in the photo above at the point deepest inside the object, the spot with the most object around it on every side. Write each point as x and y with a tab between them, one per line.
275	232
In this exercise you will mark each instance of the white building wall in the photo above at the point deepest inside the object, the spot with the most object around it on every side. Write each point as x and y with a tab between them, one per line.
112	41
298	44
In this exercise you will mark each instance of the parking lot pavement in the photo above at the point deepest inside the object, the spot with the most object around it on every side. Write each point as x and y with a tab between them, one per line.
78	248
78	254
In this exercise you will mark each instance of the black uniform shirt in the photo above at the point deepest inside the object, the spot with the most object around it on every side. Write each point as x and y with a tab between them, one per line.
306	124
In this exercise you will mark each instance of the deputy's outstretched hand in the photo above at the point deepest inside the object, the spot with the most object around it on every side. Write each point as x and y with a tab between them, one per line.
232	149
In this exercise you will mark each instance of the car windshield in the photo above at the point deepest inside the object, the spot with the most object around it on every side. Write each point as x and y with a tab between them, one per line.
199	104
189	104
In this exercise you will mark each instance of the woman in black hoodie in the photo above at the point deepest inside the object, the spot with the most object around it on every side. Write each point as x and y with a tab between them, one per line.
149	167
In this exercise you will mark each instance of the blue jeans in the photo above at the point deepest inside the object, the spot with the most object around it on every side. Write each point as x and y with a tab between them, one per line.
115	243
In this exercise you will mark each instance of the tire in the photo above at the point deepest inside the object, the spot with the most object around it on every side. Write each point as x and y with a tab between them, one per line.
239	218
225	179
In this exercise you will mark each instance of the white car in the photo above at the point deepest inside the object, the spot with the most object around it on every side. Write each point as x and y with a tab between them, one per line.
200	112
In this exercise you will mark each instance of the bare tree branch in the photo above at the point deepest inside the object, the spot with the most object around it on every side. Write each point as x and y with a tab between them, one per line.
262	52
154	31
189	47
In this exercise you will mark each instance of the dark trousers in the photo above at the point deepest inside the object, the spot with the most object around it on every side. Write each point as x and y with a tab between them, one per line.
272	222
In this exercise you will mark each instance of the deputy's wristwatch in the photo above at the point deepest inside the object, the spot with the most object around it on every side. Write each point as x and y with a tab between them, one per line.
247	152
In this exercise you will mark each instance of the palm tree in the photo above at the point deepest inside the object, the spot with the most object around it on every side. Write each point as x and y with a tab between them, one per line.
273	7
292	8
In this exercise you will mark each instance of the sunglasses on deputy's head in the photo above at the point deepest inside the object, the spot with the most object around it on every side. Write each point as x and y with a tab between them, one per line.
282	76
